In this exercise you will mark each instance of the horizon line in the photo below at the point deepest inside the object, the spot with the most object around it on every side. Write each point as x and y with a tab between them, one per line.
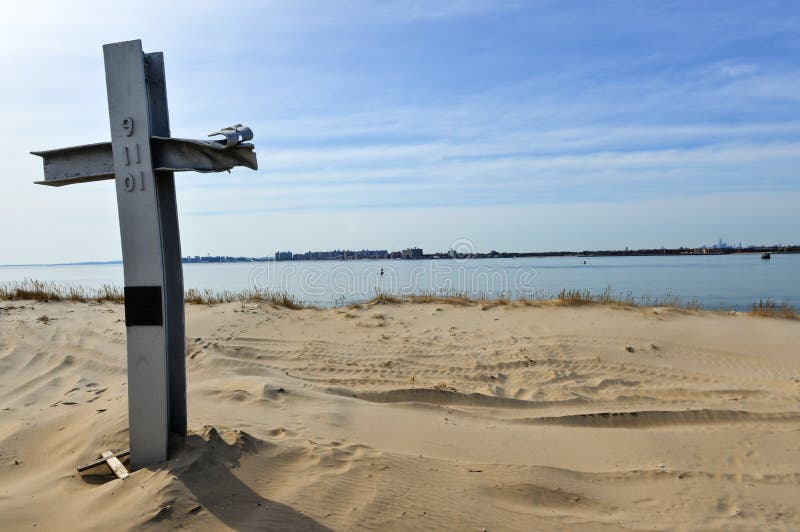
753	248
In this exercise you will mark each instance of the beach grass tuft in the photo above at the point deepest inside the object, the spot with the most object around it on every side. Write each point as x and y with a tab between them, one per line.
211	297
457	299
768	307
607	297
383	297
43	292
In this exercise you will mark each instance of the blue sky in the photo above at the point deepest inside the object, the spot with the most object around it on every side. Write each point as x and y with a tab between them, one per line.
516	125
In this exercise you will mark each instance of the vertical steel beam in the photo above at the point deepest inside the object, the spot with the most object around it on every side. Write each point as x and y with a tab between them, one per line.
171	249
141	231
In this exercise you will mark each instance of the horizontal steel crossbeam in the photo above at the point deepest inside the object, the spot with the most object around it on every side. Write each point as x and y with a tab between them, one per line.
95	162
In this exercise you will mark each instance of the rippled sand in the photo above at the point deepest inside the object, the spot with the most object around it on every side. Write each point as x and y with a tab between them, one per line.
412	416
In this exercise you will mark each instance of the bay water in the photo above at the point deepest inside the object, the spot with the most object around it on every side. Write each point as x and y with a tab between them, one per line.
715	281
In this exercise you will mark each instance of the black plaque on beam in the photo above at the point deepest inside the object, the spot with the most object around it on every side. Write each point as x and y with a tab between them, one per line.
143	306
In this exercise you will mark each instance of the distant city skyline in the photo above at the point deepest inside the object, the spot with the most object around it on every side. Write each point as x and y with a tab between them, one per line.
533	126
418	253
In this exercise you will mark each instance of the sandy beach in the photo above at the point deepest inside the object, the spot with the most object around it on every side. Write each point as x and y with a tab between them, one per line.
412	416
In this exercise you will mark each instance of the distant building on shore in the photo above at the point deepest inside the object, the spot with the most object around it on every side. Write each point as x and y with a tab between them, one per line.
337	254
411	253
220	258
720	248
368	254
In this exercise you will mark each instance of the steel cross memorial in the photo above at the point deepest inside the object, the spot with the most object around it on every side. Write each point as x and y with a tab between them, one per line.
141	158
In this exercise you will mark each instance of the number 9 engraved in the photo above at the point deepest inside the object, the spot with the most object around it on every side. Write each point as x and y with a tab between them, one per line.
127	126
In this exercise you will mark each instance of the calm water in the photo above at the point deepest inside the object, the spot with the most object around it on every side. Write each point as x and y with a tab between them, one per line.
729	281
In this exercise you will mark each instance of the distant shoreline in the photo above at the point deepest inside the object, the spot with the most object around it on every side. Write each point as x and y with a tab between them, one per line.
703	251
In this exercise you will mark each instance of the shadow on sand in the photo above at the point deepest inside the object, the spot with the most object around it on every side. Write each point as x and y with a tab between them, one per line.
202	483
203	465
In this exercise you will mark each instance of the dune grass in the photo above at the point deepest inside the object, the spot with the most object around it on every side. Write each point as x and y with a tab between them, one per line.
458	299
580	297
211	297
565	297
574	297
43	292
768	307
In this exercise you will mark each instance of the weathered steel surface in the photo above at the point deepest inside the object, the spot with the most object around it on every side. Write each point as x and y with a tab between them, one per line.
170	250
142	257
141	158
78	164
234	135
184	155
94	162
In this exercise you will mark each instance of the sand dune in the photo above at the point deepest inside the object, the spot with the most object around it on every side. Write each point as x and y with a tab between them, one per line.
412	416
